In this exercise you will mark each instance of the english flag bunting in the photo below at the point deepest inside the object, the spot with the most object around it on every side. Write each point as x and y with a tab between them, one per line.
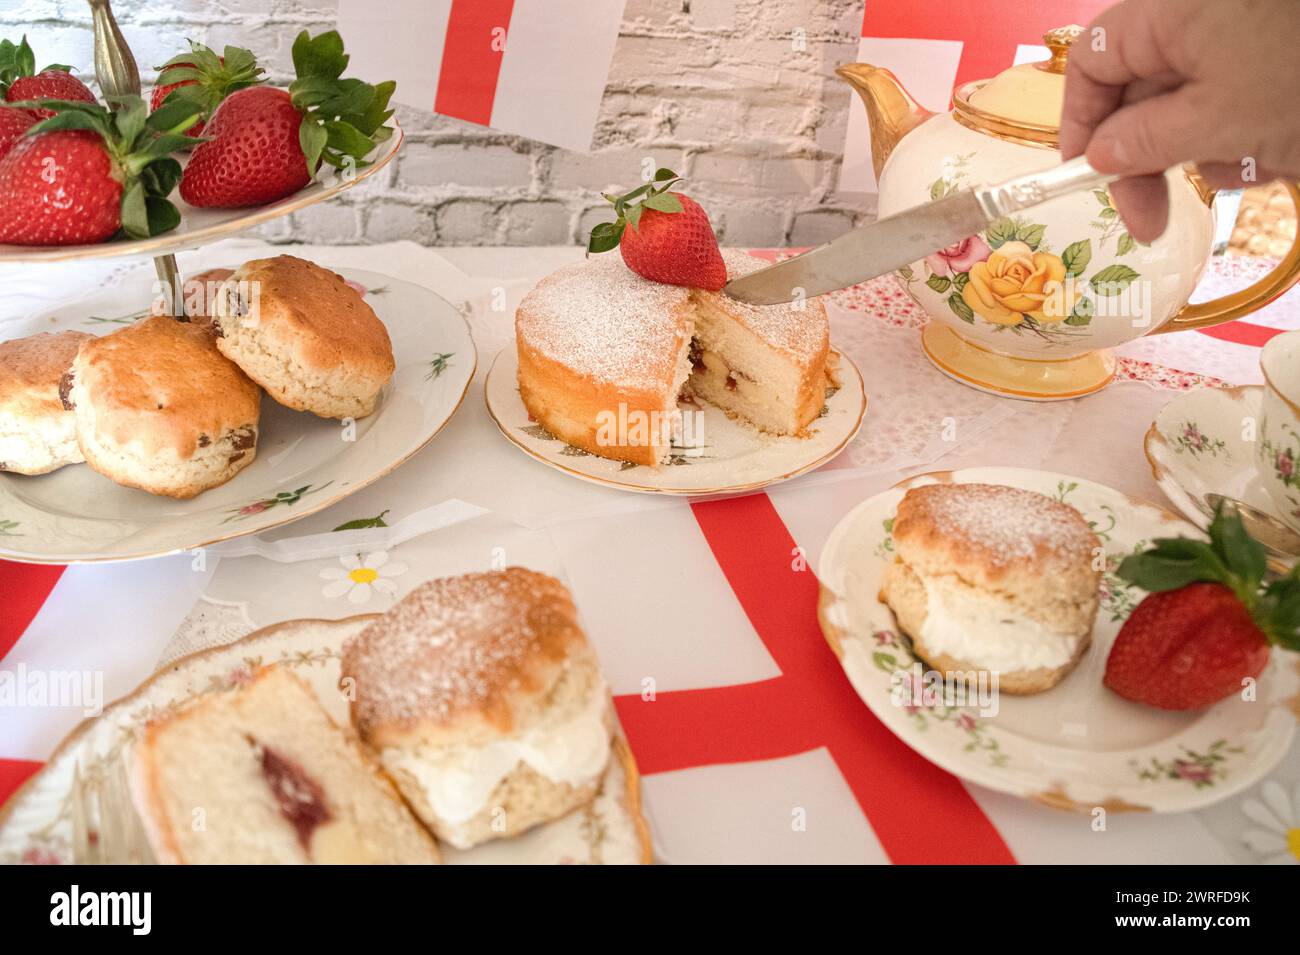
507	64
933	47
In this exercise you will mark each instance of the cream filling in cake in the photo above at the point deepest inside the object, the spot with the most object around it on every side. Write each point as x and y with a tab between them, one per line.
985	631
458	780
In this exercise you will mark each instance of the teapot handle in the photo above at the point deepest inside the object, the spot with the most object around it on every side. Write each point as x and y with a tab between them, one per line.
1234	305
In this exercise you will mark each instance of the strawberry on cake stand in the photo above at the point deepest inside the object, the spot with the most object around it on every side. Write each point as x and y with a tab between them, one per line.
115	174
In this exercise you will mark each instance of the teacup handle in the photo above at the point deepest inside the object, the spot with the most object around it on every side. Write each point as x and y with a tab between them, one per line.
1234	305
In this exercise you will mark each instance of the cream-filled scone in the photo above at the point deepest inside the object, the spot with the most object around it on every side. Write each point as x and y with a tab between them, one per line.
598	344
37	433
260	775
306	336
485	703
159	408
996	579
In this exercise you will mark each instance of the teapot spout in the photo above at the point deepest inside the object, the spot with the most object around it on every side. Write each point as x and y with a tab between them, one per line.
891	111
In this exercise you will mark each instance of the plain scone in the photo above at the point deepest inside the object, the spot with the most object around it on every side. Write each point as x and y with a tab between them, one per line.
261	775
1015	568
37	433
302	333
485	703
160	409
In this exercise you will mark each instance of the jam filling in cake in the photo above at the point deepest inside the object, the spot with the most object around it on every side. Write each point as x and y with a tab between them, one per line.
599	344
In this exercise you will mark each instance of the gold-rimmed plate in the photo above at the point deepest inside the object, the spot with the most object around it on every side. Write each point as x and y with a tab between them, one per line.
731	457
201	226
36	823
304	463
1077	746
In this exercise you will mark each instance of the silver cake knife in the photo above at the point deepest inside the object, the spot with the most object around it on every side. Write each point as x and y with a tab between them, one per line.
901	239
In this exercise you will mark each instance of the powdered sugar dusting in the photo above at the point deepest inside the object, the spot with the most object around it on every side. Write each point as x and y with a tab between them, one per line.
602	319
456	643
798	328
1008	523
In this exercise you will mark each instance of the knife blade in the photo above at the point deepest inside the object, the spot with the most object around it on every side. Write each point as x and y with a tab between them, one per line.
907	236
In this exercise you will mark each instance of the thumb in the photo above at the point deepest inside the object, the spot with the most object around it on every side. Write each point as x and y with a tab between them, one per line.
1150	136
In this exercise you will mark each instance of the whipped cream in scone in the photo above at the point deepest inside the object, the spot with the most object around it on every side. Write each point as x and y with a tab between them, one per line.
485	702
966	625
458	781
993	578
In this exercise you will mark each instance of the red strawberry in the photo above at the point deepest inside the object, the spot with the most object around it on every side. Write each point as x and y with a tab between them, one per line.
266	143
20	80
206	79
1206	625
669	240
85	173
13	123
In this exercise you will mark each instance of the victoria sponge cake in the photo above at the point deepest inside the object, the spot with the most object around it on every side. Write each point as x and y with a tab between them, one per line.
993	578
485	703
306	336
37	433
158	408
598	343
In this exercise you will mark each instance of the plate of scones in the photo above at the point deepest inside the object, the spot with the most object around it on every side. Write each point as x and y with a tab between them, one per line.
660	388
125	433
992	618
469	724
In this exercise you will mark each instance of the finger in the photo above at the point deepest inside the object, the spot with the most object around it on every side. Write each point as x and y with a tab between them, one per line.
1233	175
1143	204
1153	135
1119	47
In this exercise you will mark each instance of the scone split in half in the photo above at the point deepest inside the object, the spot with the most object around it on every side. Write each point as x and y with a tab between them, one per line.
484	702
994	579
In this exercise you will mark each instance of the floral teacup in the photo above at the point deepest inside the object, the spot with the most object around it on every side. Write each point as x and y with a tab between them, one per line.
1278	455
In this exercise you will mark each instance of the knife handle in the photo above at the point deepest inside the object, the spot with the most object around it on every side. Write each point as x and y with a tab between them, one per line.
1025	191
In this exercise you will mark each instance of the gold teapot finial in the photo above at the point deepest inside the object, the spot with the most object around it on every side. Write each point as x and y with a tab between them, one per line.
892	113
1059	41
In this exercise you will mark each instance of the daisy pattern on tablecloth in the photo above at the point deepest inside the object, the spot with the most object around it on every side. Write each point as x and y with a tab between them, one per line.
1275	838
360	576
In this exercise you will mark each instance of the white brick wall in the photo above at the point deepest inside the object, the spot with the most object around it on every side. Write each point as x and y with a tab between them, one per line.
718	90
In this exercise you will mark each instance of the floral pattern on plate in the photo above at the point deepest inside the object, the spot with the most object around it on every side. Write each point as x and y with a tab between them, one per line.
1077	746
731	457
35	824
304	463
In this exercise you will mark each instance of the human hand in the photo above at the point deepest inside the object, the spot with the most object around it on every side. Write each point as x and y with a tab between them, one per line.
1155	83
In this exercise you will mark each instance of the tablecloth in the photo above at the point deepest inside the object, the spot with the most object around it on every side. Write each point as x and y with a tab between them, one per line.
752	744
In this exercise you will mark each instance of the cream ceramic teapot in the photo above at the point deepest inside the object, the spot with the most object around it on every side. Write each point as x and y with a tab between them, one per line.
1031	306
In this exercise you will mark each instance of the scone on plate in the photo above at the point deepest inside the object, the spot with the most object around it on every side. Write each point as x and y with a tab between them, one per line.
159	408
306	336
996	579
485	703
261	774
37	433
198	292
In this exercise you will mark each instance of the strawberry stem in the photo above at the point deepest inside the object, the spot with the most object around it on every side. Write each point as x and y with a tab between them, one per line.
630	205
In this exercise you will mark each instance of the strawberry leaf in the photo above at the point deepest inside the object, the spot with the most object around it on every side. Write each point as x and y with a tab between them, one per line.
605	237
312	138
135	211
664	202
319	56
1172	562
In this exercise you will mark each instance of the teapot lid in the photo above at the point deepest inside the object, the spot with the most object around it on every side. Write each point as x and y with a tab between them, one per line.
1023	102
